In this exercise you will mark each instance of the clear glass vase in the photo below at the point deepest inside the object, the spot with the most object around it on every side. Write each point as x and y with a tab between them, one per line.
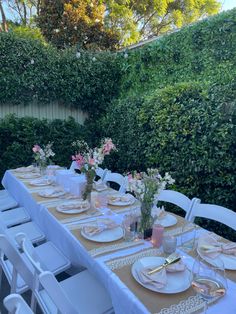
146	222
90	175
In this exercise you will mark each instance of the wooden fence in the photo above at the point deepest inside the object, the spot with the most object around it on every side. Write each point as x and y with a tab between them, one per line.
48	111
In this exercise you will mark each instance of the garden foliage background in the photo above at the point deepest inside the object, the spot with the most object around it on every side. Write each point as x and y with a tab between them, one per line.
169	104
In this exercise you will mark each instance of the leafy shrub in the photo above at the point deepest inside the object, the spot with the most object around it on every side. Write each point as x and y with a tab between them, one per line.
18	135
182	128
31	71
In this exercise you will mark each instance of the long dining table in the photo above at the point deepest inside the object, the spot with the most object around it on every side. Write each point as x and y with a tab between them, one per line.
111	262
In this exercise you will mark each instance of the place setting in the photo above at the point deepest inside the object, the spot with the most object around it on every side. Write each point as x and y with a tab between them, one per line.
213	250
163	218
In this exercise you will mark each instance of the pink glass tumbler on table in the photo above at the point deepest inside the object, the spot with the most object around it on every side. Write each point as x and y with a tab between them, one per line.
157	235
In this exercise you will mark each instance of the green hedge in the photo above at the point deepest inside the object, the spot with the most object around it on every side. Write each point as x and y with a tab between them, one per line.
176	109
204	51
31	71
18	135
185	129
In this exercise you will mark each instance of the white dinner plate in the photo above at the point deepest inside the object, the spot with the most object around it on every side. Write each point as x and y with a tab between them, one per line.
176	282
41	182
26	169
168	221
31	175
100	187
76	210
106	235
50	193
228	260
116	202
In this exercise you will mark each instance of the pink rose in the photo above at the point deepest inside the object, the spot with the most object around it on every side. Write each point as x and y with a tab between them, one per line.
107	147
36	148
80	160
130	177
91	161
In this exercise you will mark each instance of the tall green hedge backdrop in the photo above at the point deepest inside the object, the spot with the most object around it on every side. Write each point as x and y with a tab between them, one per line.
169	104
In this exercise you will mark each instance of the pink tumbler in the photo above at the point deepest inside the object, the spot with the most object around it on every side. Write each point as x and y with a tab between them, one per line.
157	235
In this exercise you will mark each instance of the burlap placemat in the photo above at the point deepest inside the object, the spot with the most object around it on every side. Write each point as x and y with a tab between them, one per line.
185	302
66	218
98	248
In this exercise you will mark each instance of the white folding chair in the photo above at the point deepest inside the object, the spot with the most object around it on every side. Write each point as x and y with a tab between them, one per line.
72	295
32	231
3	193
46	254
119	179
15	304
14	216
101	173
14	266
214	212
178	199
7	201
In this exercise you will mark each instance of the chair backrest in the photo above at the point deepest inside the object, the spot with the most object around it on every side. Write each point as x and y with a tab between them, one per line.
7	202
56	293
119	179
30	252
101	173
177	199
15	304
9	249
214	212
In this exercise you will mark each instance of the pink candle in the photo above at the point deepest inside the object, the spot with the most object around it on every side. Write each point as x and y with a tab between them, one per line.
157	235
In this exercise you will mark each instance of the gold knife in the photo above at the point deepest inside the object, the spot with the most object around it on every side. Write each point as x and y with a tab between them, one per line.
164	265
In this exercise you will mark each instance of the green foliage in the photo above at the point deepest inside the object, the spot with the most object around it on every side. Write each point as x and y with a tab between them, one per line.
68	23
140	19
18	135
31	71
204	51
177	110
27	32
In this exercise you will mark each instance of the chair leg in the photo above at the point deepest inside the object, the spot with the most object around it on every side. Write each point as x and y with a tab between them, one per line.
0	276
33	303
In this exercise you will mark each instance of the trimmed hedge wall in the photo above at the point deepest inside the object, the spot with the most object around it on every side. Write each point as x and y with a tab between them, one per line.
204	51
177	109
18	135
30	70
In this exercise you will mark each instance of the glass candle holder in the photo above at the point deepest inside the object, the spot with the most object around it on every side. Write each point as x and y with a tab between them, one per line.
169	244
157	235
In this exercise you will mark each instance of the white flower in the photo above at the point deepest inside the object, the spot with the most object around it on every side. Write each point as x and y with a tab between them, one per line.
32	61
97	21
78	54
94	59
56	30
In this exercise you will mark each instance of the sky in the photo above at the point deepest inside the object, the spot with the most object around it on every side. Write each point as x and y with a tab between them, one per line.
228	4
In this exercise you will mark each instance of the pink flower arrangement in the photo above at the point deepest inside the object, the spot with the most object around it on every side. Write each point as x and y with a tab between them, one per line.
43	154
91	158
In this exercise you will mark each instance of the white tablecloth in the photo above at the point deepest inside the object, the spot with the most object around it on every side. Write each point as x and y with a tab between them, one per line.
122	298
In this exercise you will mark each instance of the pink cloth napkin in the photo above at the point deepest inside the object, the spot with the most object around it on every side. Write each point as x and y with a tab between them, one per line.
209	245
100	227
159	279
126	198
159	212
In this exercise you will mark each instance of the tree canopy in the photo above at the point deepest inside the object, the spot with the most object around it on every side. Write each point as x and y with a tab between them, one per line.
107	24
